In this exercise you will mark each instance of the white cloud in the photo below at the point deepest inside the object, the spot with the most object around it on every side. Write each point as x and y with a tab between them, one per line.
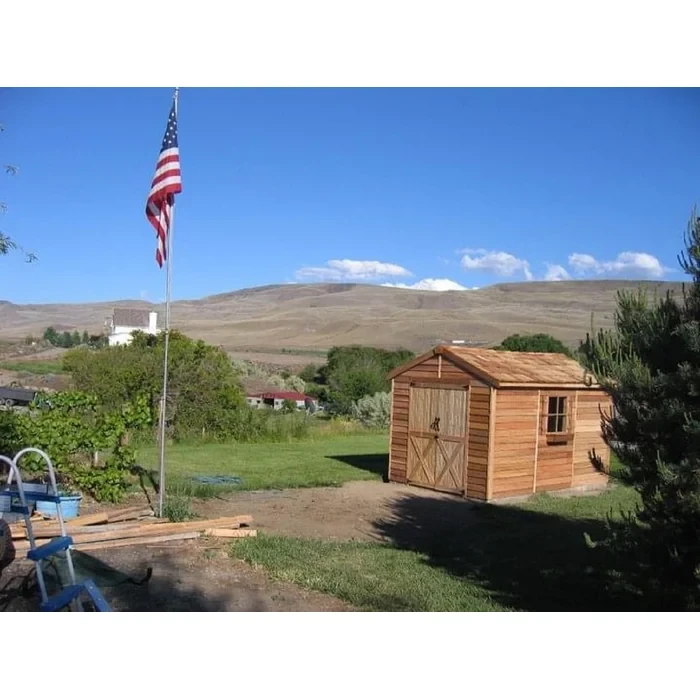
497	262
345	270
431	285
556	273
627	264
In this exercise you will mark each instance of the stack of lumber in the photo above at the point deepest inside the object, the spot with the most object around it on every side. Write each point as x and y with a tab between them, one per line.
128	527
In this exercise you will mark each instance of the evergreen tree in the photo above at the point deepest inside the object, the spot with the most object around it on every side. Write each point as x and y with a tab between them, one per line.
51	336
650	364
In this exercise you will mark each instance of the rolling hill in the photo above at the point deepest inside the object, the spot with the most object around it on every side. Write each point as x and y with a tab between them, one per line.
318	316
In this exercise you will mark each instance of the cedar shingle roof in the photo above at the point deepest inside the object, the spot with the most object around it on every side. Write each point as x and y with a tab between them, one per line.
504	368
134	318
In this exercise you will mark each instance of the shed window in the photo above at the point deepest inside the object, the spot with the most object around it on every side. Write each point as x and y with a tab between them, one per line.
556	414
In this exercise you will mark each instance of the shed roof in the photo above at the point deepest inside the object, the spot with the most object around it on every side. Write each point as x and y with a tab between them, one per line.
502	368
132	318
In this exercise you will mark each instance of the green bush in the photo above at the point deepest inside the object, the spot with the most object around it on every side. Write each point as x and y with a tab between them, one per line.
205	394
294	383
355	371
373	411
70	427
309	374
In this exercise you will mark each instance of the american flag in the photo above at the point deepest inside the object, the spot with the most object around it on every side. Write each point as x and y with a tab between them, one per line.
167	182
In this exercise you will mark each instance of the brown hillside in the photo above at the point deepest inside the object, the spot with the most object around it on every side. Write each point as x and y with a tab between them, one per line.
318	316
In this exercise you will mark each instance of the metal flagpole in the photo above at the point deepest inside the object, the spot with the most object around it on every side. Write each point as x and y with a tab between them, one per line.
164	396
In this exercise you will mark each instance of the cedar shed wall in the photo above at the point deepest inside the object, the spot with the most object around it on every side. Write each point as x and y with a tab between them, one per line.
491	443
470	436
528	459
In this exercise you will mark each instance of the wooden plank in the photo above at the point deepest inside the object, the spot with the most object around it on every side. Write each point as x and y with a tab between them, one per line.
511	494
522	484
465	464
133	541
421	372
537	442
399	372
514	399
481	401
478	440
54	530
135	514
518	437
164	528
228	533
514	451
491	442
442	384
479	453
521	422
573	442
391	428
522	470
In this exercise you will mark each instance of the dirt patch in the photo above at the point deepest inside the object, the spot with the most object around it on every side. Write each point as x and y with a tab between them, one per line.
188	577
201	576
348	512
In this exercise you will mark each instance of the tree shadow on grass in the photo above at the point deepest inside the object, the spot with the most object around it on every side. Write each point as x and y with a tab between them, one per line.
375	463
527	560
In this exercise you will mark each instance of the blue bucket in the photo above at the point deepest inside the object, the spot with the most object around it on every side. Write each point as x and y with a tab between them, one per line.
31	490
70	506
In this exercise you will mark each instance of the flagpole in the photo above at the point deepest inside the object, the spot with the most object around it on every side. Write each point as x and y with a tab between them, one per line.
166	343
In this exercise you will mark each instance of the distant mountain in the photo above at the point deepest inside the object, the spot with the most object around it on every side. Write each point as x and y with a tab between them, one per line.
318	316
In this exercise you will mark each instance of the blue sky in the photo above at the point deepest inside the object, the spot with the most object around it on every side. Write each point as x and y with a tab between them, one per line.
419	187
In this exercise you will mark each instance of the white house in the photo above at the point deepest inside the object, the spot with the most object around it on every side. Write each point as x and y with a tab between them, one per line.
125	321
276	399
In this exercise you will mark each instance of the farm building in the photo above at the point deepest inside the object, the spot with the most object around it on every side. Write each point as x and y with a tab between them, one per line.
124	322
490	424
276	399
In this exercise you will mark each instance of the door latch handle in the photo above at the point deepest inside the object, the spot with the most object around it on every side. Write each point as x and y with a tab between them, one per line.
435	425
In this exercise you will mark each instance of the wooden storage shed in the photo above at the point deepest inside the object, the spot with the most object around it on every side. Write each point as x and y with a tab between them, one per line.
491	424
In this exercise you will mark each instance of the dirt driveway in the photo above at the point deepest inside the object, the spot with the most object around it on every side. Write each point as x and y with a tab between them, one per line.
348	512
197	575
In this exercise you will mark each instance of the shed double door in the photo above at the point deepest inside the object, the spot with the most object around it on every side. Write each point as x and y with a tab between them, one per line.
437	438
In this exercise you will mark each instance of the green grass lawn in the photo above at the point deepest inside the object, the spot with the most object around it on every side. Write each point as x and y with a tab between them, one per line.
330	461
456	556
45	367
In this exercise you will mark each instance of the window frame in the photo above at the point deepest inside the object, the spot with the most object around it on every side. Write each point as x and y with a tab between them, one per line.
560	415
